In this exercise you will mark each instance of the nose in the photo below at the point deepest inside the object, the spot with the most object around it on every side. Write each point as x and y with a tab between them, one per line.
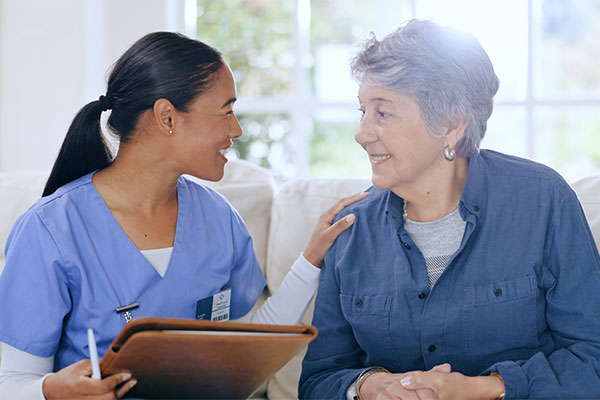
364	134
235	129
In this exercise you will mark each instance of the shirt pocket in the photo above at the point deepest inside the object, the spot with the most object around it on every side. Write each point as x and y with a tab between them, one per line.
499	320
369	316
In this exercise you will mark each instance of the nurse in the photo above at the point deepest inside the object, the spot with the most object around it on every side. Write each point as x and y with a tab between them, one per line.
109	233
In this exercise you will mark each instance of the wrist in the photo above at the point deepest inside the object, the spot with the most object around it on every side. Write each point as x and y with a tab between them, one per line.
367	380
312	258
47	387
491	387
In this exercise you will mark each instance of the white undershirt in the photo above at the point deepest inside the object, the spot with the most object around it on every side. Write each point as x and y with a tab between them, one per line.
22	374
159	259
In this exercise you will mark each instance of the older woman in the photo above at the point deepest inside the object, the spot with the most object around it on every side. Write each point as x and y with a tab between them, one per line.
461	259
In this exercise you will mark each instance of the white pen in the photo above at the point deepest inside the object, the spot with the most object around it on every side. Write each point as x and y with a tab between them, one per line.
93	354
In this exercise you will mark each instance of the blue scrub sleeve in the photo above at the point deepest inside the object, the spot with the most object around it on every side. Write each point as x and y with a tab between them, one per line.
34	295
572	314
247	280
332	362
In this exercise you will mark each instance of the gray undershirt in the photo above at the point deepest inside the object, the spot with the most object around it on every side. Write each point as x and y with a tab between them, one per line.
438	241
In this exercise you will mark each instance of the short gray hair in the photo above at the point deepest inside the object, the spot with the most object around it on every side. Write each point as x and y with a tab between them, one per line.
445	71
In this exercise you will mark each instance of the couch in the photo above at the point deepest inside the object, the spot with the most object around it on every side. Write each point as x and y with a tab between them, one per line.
280	221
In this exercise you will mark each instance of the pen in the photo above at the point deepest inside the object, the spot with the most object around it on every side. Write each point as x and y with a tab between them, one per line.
93	354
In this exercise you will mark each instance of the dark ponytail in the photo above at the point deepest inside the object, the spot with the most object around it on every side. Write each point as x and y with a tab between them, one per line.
160	65
82	151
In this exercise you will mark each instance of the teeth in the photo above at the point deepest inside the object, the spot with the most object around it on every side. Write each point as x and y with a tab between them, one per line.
223	152
380	158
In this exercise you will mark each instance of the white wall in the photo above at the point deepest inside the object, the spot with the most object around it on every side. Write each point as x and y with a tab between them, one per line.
54	55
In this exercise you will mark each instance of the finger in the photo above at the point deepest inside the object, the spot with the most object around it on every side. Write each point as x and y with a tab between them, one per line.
109	383
340	226
126	388
443	368
423	380
345	202
426	394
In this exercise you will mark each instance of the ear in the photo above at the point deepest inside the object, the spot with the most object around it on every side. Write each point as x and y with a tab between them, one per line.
164	114
453	135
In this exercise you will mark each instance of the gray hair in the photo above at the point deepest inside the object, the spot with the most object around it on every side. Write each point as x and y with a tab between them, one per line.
445	71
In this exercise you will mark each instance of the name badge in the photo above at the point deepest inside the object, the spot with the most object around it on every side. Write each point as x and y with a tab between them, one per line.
215	307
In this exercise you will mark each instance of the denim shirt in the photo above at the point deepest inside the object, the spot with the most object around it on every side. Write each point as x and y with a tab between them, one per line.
521	296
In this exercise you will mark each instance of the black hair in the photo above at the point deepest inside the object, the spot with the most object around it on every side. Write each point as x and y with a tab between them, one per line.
161	65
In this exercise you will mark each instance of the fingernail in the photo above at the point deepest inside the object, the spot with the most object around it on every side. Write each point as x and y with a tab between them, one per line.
350	217
126	376
405	382
132	383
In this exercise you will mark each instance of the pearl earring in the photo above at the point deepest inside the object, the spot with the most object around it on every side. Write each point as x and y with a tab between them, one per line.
449	154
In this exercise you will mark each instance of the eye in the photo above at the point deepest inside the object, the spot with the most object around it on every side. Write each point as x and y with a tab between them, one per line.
229	113
362	113
383	114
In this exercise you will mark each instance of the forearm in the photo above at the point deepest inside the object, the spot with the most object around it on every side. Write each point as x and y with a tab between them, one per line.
288	304
19	385
22	374
572	372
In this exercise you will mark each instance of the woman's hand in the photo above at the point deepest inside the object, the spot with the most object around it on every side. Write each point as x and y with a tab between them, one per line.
325	233
385	385
75	382
455	385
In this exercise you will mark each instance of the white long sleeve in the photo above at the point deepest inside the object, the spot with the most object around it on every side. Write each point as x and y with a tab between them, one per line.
288	304
22	374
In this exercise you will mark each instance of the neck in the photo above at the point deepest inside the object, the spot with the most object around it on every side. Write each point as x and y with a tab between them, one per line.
134	182
431	199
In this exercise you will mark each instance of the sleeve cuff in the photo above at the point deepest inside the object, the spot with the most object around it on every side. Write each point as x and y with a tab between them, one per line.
40	382
351	392
307	271
515	380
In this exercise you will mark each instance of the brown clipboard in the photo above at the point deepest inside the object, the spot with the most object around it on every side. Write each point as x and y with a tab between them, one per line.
197	359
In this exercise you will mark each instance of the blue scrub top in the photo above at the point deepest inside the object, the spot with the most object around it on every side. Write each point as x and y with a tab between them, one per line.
69	265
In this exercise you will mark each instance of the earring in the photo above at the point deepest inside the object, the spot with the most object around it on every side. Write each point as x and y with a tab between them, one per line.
170	131
449	154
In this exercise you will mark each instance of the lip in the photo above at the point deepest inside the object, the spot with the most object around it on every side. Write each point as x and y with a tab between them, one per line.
379	158
222	150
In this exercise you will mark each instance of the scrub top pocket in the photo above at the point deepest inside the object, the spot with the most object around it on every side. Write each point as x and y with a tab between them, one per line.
369	316
499	320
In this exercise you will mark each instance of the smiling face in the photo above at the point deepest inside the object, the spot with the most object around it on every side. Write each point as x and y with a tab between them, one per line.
206	130
392	130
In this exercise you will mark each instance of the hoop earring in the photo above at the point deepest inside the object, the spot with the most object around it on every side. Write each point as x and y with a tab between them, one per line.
449	154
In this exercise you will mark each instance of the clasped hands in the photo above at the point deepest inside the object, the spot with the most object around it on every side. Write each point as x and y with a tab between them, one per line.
439	383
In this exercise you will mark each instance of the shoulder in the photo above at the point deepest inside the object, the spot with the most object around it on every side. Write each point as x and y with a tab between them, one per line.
64	199
67	193
374	203
521	172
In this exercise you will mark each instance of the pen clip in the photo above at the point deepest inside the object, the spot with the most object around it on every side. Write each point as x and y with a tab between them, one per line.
126	311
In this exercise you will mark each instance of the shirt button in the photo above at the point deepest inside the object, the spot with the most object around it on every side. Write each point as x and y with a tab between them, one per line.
476	208
407	246
431	348
358	303
422	295
498	292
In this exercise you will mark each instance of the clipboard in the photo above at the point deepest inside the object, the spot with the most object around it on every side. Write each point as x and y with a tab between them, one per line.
197	359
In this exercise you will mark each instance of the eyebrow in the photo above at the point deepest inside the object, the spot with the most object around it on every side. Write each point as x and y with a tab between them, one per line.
228	102
382	99
379	99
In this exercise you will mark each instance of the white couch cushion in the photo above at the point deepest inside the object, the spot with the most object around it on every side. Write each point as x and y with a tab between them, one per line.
588	190
296	209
